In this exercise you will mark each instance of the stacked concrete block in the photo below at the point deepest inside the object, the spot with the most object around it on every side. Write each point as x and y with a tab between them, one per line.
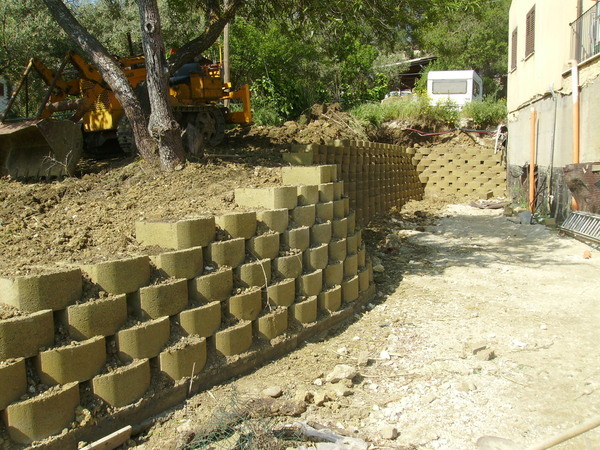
184	359
299	260
268	198
375	176
124	385
475	172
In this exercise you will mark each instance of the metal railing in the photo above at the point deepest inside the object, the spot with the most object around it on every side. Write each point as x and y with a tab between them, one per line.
585	38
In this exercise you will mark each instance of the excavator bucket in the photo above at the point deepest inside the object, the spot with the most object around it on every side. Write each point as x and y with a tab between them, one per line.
43	148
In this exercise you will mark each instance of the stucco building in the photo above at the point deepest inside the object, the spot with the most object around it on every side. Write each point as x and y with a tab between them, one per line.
554	45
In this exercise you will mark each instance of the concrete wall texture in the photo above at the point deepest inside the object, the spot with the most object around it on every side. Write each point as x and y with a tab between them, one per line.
275	274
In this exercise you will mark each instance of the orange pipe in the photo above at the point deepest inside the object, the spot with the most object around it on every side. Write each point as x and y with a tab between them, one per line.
576	120
532	159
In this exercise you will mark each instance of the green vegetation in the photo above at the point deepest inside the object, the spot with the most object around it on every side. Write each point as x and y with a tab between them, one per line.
419	111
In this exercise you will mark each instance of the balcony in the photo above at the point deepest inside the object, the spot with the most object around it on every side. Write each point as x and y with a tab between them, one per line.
585	37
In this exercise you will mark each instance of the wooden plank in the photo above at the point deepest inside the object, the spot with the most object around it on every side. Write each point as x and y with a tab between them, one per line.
111	441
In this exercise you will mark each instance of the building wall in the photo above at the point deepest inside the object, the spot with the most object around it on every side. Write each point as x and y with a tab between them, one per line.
543	82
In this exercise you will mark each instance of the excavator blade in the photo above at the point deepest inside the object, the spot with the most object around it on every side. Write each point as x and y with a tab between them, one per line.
43	148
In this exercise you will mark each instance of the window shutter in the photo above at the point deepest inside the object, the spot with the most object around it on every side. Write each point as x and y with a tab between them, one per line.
530	32
513	51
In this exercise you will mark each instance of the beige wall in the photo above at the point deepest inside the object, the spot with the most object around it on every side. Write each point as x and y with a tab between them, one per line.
534	76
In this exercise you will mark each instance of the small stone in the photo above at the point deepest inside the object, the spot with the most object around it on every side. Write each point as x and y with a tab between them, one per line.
388	432
428	398
320	398
318	382
587	254
477	347
385	355
272	391
303	396
341	372
486	355
363	359
378	268
338	391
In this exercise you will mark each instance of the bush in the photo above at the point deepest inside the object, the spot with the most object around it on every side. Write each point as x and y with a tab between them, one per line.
486	113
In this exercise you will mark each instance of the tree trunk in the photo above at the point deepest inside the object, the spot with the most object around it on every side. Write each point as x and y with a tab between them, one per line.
162	125
112	74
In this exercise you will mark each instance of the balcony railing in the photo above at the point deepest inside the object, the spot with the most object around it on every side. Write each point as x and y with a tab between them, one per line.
585	39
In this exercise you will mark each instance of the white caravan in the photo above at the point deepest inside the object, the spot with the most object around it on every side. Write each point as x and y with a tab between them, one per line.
459	86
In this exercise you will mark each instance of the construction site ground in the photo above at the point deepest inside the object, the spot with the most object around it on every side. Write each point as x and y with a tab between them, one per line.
480	326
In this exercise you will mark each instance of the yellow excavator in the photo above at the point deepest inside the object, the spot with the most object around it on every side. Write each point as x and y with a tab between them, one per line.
47	146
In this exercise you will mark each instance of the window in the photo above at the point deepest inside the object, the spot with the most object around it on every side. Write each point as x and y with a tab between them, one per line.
530	32
449	87
513	50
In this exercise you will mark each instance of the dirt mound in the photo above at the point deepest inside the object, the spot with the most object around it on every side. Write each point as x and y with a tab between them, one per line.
93	217
322	124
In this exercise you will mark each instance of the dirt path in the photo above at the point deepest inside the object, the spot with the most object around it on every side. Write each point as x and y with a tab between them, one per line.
474	280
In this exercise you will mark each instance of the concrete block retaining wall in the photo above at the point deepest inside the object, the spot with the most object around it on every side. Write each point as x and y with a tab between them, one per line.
379	176
235	289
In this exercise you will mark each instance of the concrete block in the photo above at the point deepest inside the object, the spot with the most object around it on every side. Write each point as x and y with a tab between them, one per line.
238	225
305	311
305	175
325	211
123	276
352	242
339	228
13	380
297	238
362	256
184	359
282	293
145	340
326	192
124	385
256	273
180	234
74	362
265	246
308	194
331	300
268	198
334	274
351	265
351	222
234	340
247	305
333	172
22	336
310	284
304	215
337	249
42	416
288	266
338	190
300	158
53	291
102	317
316	257
273	324
187	263
229	253
339	211
203	320
350	289
320	233
212	287
363	280
274	219
165	299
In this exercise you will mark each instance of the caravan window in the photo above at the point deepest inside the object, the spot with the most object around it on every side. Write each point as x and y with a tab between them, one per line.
449	86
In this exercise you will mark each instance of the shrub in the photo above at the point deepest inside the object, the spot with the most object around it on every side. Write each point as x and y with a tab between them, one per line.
486	113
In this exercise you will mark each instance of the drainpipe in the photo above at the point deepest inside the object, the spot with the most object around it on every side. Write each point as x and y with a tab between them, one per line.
533	143
576	122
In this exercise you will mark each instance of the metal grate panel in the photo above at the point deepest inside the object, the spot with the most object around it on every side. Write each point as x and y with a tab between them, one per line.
583	225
